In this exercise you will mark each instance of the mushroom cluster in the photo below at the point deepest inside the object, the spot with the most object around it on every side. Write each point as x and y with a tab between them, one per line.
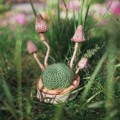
58	80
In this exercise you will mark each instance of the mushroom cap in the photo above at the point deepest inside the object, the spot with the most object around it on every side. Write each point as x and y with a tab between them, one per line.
40	26
82	63
31	47
79	35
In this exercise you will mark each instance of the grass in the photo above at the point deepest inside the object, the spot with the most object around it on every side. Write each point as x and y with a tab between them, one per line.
99	96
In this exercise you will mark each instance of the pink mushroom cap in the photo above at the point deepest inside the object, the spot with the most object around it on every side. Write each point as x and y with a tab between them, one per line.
82	63
79	35
40	26
31	47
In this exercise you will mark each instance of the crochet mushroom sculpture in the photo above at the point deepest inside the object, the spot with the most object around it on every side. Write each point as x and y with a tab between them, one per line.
58	80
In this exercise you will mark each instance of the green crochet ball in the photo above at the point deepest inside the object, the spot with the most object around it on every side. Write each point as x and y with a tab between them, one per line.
57	76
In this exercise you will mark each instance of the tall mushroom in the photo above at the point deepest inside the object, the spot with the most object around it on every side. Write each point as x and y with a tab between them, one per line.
41	27
32	49
78	37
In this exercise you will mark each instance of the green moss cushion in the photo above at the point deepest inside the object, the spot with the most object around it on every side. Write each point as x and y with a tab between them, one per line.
57	76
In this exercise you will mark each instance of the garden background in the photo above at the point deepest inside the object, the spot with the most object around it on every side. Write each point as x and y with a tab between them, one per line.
99	96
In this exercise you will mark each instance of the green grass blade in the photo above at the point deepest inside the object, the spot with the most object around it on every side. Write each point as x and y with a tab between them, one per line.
11	109
90	82
28	108
59	111
92	97
110	80
34	12
58	10
80	13
87	11
10	106
6	90
96	104
18	51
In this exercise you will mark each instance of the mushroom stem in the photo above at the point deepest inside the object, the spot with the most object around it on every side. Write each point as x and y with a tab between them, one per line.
43	39
37	60
74	54
77	70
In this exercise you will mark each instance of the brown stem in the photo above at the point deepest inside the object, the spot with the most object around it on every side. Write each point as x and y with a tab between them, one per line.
43	39
37	60
74	54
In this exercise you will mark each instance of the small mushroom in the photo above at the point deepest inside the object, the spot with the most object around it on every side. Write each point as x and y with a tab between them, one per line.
81	64
32	49
78	37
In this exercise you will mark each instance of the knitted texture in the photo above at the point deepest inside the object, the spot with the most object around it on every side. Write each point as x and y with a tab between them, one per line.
82	63
79	35
40	26
57	76
31	47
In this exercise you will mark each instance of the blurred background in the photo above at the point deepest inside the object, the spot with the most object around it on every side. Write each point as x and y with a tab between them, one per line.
99	96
